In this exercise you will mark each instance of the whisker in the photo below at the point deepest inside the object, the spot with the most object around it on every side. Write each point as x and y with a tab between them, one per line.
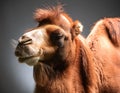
14	43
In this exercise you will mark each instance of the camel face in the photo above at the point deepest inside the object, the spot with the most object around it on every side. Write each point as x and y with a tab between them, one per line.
40	44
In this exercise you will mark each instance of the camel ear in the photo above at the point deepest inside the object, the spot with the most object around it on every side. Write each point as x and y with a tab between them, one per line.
76	28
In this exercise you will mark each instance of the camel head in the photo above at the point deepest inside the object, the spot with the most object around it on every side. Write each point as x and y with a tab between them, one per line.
53	37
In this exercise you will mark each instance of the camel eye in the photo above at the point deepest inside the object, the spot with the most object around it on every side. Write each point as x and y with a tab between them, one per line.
56	35
57	38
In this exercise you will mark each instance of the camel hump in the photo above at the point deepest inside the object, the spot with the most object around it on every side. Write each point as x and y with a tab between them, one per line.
113	30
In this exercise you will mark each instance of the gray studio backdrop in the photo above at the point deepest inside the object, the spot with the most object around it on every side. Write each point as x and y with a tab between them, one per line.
16	16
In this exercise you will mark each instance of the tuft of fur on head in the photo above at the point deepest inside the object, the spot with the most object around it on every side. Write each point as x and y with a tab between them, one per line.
53	15
48	13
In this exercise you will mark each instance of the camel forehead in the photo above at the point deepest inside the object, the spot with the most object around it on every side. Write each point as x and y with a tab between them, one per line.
42	32
43	29
38	32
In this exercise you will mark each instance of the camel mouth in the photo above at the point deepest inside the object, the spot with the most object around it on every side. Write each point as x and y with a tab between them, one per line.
23	59
31	60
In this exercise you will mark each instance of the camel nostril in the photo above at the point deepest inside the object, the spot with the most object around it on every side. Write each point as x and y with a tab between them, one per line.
17	53
25	40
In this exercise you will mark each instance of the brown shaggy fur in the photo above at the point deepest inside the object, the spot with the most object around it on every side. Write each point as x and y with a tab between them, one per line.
87	71
90	65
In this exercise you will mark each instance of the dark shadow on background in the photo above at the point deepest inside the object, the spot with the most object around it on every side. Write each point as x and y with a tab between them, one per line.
17	15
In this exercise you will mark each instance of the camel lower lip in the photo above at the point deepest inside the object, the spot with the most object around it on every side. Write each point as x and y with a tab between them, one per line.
24	59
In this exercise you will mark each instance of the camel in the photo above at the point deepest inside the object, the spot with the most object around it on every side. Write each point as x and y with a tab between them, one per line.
64	61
